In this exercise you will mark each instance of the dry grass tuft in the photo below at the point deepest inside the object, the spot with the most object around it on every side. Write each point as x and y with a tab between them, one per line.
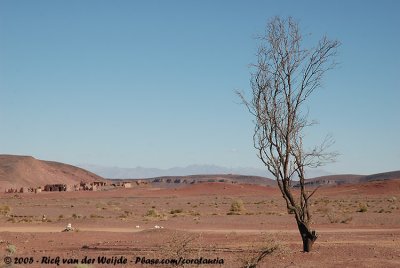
237	207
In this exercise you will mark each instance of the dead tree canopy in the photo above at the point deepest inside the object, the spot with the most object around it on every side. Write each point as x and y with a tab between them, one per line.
284	76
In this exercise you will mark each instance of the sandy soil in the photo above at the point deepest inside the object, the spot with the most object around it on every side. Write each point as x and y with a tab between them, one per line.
358	226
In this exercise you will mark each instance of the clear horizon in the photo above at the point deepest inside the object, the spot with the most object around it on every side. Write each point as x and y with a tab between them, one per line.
152	83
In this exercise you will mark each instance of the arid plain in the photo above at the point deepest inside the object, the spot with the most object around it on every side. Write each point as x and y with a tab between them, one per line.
358	225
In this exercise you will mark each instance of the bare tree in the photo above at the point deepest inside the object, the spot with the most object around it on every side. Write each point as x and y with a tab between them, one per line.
285	76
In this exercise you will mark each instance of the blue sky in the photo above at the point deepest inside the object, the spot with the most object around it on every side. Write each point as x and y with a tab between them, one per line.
151	83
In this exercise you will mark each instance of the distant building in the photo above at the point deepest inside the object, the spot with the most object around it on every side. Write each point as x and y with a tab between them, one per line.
55	188
24	190
84	186
315	183
99	183
127	184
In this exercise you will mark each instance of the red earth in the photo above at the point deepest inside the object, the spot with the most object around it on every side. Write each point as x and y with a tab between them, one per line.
358	226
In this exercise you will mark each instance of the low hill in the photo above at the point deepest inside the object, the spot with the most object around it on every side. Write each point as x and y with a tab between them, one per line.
331	180
26	171
176	181
352	179
393	175
334	179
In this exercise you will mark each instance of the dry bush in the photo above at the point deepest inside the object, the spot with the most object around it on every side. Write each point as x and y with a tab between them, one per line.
125	215
362	207
95	216
254	254
76	216
5	210
194	213
332	216
182	245
12	220
122	217
176	211
152	213
237	207
335	215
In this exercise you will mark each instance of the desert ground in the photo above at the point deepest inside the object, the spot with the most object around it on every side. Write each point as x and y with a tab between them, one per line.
358	226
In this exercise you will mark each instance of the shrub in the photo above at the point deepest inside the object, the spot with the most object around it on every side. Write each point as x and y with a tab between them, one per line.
176	211
152	213
362	208
5	210
346	219
123	217
254	254
237	207
94	216
128	213
12	220
332	217
182	245
194	213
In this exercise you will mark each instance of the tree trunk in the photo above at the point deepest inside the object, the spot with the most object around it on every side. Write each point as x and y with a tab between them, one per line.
307	236
307	244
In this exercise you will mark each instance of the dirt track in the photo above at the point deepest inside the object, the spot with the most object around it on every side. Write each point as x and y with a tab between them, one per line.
52	229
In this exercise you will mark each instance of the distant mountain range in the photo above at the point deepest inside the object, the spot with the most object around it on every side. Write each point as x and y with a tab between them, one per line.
143	173
20	171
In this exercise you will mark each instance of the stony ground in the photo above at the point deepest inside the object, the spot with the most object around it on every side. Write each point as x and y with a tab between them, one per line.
358	226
